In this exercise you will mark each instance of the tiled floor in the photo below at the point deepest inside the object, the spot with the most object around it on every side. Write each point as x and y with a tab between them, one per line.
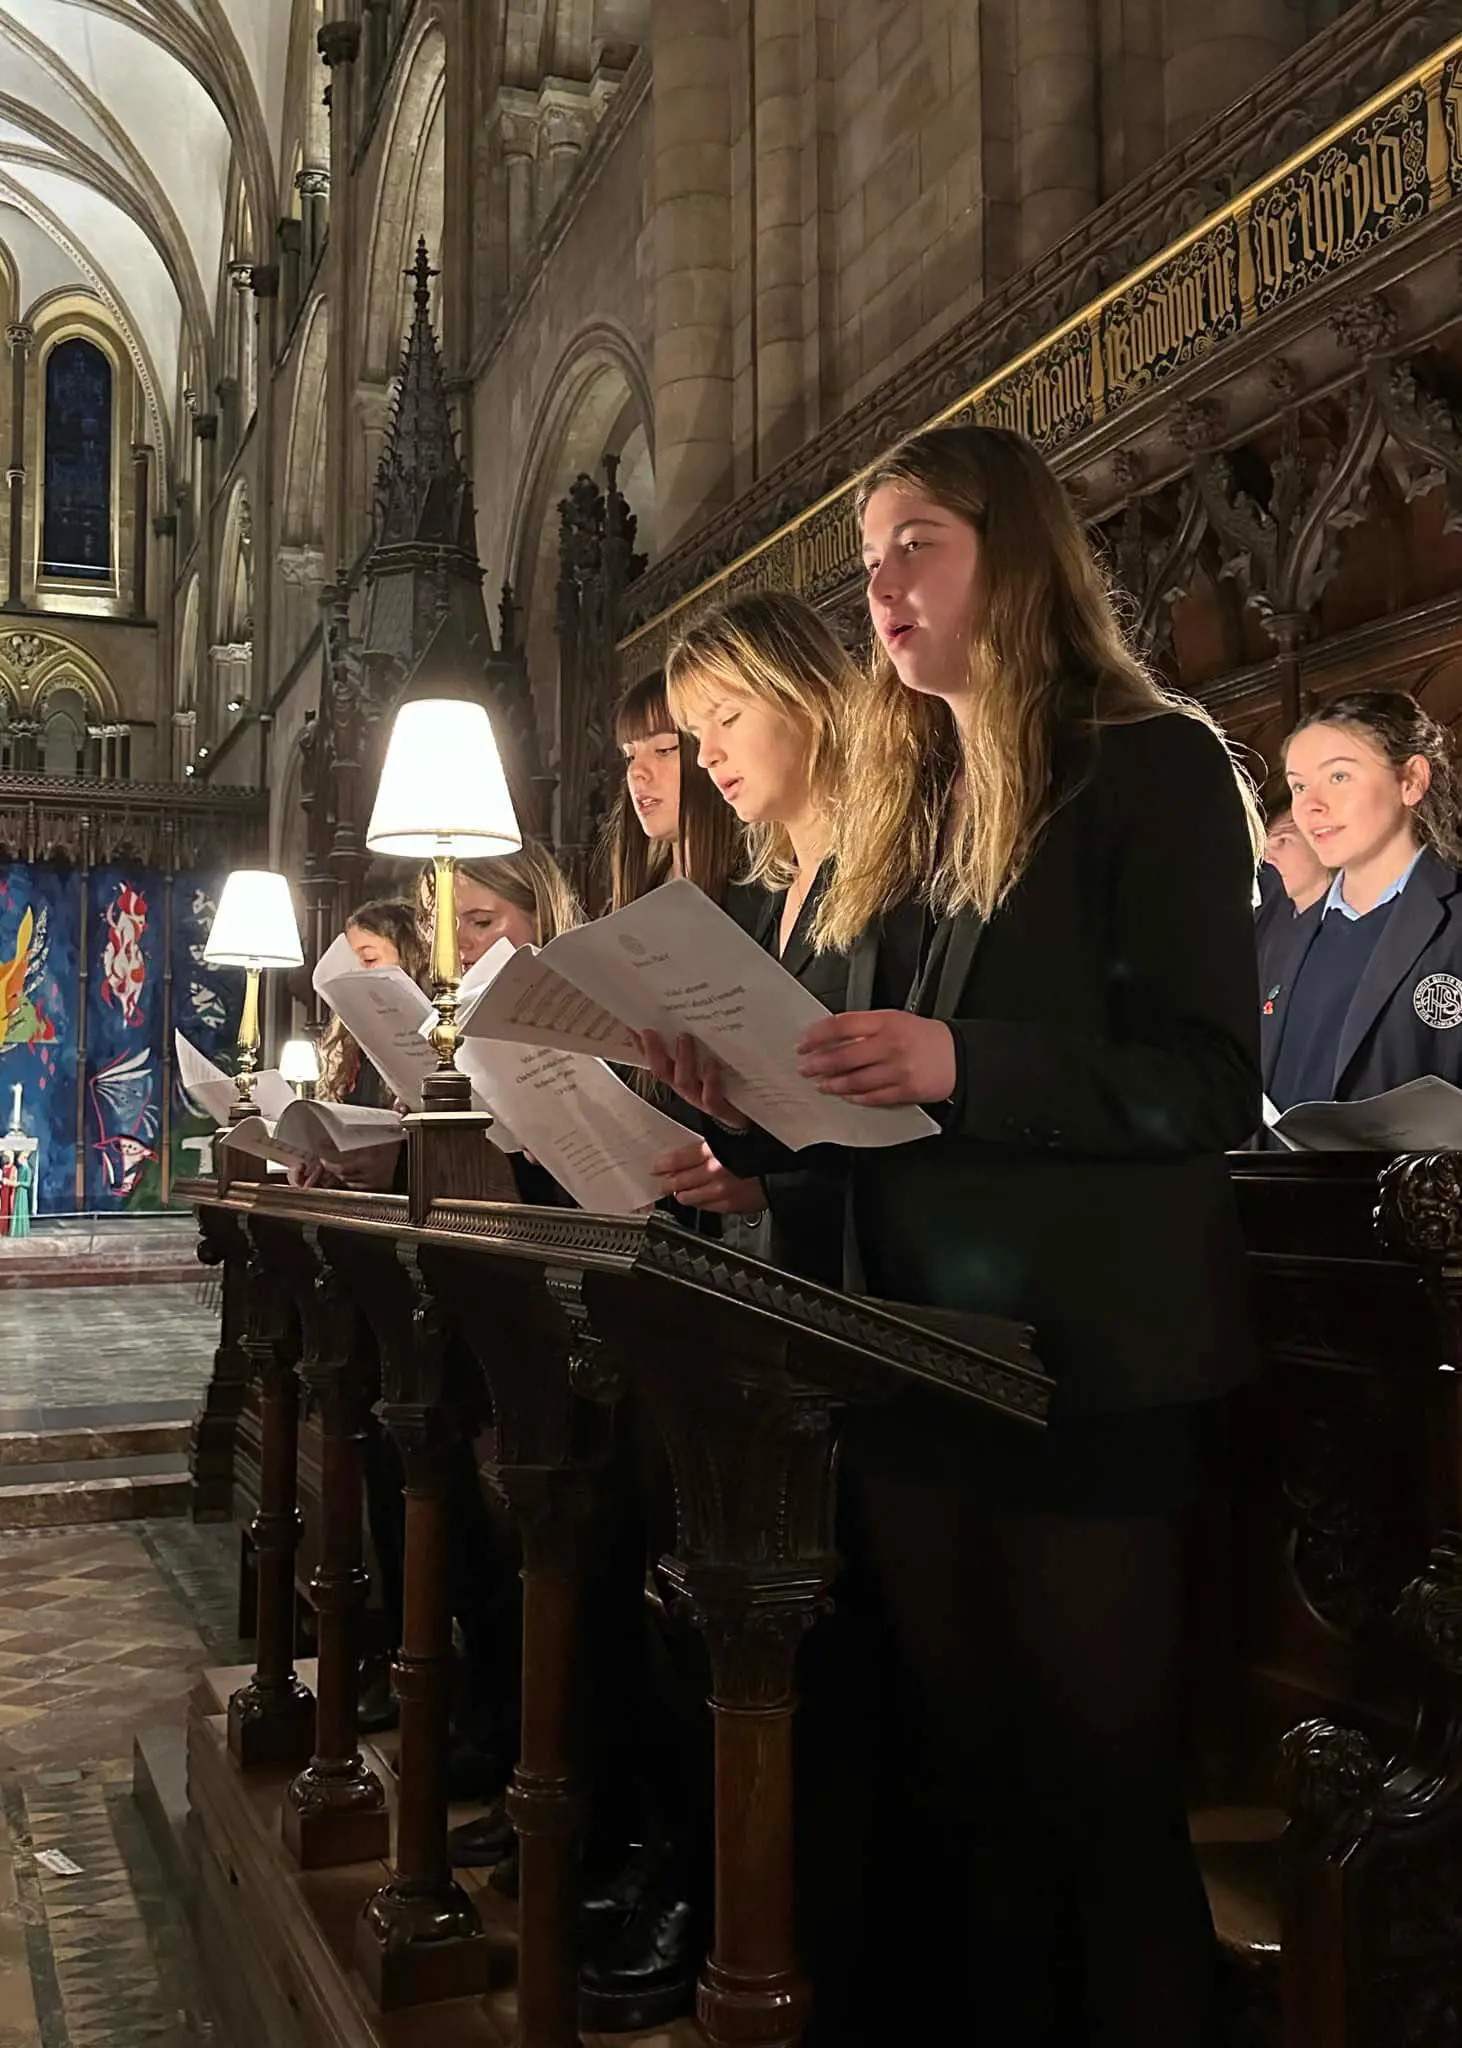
87	1356
101	1633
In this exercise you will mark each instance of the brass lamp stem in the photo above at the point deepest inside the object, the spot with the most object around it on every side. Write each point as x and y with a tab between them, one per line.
447	1088
248	1047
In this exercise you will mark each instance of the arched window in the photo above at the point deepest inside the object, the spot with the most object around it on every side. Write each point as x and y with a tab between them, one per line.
63	732
76	530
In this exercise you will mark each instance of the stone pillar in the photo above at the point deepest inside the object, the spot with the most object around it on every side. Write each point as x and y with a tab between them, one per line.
517	126
21	340
313	186
1132	89
462	221
1218	49
780	424
165	534
564	126
1057	145
691	186
140	452
339	45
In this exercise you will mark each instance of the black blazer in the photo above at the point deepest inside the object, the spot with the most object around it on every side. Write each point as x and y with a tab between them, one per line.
1105	1030
806	1191
1405	1018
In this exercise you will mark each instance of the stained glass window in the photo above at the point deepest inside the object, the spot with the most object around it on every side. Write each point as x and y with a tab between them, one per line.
76	532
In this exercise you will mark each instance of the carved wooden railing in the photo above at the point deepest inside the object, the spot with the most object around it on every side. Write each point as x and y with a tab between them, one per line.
557	1317
1349	1579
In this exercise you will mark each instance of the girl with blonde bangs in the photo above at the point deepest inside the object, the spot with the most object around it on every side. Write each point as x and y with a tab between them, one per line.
765	689
1042	885
772	650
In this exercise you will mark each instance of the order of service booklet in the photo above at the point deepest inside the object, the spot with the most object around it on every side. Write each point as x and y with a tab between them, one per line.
577	1119
1420	1116
675	963
284	1130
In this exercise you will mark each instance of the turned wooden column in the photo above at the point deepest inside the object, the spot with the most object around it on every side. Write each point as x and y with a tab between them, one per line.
419	1937
552	1387
752	1443
544	1802
271	1719
335	1809
215	1426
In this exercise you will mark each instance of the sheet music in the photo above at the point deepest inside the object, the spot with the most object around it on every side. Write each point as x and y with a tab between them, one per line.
388	1016
674	963
331	1132
1420	1116
213	1093
594	1135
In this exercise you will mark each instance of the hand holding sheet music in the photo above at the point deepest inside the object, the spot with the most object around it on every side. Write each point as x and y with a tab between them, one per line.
673	963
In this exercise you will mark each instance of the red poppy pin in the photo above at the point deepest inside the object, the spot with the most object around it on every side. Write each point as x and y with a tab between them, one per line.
1269	999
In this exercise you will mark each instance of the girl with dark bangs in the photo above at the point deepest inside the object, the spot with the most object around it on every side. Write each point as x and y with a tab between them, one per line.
668	819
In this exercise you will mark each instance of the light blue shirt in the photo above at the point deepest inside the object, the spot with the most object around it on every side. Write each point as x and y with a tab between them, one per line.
1336	898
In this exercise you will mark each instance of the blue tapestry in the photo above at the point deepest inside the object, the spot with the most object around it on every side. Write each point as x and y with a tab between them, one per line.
206	1005
40	911
76	539
126	1072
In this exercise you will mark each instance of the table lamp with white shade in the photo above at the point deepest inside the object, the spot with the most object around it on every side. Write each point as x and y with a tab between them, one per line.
299	1064
443	797
254	927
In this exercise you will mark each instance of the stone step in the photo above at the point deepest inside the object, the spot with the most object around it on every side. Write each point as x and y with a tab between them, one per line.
51	1502
31	1447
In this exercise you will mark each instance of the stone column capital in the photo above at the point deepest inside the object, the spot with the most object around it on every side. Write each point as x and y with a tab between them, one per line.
20	336
338	42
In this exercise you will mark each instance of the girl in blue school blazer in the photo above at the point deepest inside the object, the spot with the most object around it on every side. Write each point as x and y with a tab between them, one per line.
1368	993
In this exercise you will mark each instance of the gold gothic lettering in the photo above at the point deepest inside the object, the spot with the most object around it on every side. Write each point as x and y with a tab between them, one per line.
1047	398
1172	312
1322	211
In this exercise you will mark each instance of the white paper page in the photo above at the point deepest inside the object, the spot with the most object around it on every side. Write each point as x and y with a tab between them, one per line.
675	963
214	1094
338	1129
206	1086
384	1011
257	1136
527	1003
1420	1116
595	1136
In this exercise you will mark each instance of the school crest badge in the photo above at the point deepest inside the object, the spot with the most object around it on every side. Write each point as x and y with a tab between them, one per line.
1438	1001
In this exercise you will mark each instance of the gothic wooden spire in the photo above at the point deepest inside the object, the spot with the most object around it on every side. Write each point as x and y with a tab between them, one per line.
423	493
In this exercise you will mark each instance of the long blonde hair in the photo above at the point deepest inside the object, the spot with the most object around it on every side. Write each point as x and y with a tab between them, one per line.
531	879
953	811
771	646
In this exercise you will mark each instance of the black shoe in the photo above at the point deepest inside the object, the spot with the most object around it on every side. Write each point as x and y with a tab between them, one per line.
476	1771
504	1878
376	1707
605	1908
480	1843
644	1974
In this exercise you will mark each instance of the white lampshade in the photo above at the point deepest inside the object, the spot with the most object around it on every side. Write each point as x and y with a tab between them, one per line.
254	925
443	790
299	1063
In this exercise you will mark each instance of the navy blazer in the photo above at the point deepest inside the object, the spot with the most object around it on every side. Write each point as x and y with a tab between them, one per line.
1405	1018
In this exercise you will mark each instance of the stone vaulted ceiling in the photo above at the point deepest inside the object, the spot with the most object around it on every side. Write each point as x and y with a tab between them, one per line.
119	120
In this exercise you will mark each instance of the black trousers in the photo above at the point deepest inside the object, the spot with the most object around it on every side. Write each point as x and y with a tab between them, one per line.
996	1847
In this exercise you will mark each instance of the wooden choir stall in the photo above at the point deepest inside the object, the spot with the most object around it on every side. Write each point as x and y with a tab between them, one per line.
324	1886
1326	1679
